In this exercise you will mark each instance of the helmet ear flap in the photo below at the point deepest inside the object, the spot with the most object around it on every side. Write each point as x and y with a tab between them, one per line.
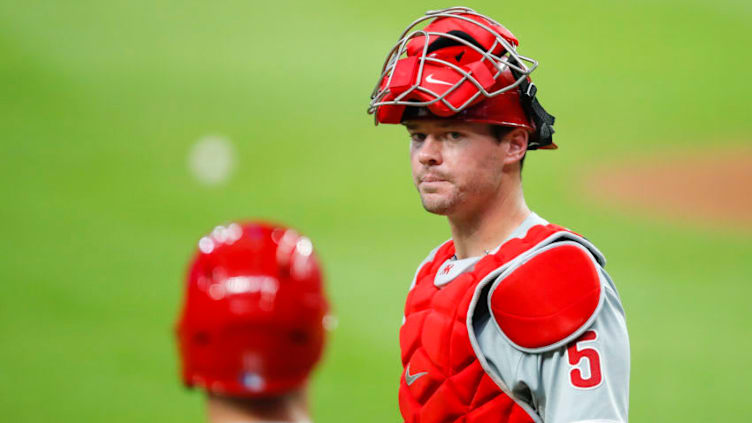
390	114
403	75
401	80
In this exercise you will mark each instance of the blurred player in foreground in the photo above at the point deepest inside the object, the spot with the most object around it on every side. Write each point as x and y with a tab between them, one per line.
252	324
513	319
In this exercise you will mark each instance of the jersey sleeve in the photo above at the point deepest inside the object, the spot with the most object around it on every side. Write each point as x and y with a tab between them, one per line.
586	380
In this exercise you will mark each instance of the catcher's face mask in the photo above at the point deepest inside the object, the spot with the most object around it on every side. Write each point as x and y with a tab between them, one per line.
462	65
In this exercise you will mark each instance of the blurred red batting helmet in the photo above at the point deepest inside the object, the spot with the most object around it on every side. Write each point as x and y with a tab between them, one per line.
462	65
252	323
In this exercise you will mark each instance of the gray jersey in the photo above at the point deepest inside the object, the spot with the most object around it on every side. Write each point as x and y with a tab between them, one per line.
584	381
587	381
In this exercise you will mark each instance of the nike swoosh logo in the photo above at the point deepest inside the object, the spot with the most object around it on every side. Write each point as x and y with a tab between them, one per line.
431	79
410	379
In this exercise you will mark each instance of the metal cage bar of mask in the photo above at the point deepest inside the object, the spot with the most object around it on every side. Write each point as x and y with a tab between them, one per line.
508	59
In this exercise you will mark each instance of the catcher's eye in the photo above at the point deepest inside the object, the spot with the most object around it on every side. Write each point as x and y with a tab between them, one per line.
417	137
454	136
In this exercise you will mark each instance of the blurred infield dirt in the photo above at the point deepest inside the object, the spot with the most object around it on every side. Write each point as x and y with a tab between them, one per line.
707	188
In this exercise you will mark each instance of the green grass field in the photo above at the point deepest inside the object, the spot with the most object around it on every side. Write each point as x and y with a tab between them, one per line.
101	102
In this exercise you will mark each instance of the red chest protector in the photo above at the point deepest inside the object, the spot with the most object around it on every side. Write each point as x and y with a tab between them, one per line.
443	381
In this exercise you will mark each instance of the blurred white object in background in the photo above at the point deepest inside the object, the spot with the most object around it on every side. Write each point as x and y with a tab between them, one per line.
211	160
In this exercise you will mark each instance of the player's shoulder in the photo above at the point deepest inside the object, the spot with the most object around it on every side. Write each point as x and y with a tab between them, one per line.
432	255
561	233
548	298
430	258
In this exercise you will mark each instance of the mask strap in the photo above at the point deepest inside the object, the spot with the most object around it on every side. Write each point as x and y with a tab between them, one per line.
543	121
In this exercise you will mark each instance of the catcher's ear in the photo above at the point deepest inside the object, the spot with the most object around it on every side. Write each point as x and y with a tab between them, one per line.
516	141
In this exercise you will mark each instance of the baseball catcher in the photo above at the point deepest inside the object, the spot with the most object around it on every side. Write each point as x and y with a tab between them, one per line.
513	319
252	324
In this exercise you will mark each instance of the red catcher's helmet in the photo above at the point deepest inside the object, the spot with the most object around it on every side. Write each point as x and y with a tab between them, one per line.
253	319
462	65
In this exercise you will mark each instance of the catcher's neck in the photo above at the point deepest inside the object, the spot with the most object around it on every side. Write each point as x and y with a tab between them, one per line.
483	230
290	408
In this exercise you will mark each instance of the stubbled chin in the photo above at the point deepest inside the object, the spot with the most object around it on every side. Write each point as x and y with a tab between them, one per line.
435	203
